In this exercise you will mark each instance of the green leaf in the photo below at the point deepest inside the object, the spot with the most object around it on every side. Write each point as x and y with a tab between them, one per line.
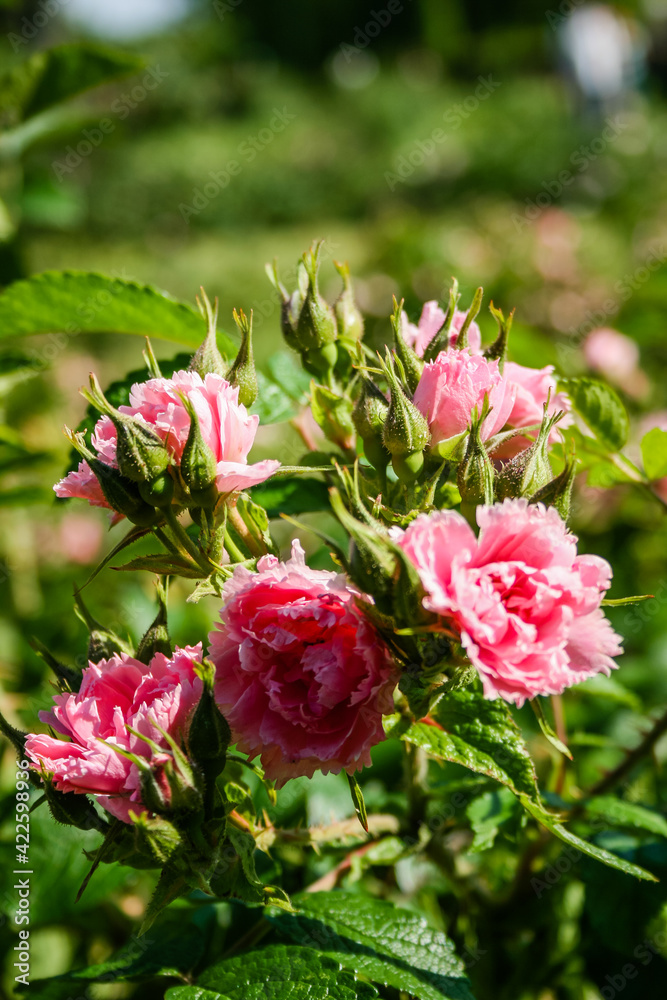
654	453
286	371
601	409
272	405
536	706
71	302
332	412
478	734
487	813
279	972
293	495
374	938
358	801
619	602
164	564
174	947
47	78
629	814
552	824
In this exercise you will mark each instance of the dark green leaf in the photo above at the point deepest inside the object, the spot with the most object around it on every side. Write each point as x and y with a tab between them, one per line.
172	947
478	734
654	453
296	495
552	824
279	972
628	814
374	938
601	409
164	564
49	77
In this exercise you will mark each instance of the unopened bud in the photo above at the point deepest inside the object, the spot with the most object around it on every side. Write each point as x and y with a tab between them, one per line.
558	492
207	359
369	416
120	493
242	373
103	643
198	465
156	638
405	433
209	735
412	366
140	452
348	318
497	351
530	470
316	326
476	474
441	340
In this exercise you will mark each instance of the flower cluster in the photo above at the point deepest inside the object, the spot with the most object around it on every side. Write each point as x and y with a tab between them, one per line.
169	407
304	663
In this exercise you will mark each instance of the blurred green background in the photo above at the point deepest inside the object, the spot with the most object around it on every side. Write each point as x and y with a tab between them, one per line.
420	140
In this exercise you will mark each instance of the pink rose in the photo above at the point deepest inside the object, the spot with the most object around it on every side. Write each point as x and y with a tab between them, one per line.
616	357
531	388
453	385
115	694
418	337
525	606
302	676
227	428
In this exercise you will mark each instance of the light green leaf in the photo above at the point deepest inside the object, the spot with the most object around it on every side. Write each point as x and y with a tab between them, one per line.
623	813
358	801
376	939
278	972
487	813
654	453
71	302
49	77
545	726
619	602
478	734
272	405
552	824
600	407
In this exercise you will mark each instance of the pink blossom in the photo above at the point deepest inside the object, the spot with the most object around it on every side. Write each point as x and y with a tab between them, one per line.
116	694
419	336
524	605
532	387
454	384
227	428
616	357
302	676
611	353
